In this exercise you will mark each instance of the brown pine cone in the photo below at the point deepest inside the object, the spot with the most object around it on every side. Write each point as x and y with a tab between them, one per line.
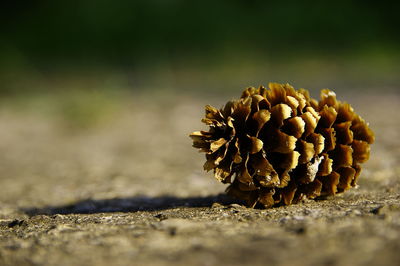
278	146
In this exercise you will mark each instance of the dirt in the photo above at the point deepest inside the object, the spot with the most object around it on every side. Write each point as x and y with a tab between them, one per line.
131	191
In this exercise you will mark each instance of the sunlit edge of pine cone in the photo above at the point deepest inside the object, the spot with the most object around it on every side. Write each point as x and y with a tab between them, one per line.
278	146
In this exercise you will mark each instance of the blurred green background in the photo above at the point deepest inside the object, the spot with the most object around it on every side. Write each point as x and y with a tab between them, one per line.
110	48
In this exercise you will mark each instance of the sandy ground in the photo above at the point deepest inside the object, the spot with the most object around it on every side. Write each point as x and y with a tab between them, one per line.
131	191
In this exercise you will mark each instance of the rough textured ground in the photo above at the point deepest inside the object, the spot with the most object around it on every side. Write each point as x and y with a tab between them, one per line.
131	191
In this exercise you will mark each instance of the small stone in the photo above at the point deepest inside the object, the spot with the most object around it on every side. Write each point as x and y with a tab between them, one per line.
383	210
161	216
236	206
217	205
16	222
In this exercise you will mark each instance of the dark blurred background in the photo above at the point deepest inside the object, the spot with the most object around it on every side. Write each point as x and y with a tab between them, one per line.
98	97
197	45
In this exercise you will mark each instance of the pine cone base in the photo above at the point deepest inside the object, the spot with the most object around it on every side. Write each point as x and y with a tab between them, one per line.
278	146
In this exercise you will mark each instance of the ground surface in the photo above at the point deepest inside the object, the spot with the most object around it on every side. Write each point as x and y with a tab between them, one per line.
131	191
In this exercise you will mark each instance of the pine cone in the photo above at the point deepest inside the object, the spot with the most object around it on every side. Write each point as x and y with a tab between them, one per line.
279	146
